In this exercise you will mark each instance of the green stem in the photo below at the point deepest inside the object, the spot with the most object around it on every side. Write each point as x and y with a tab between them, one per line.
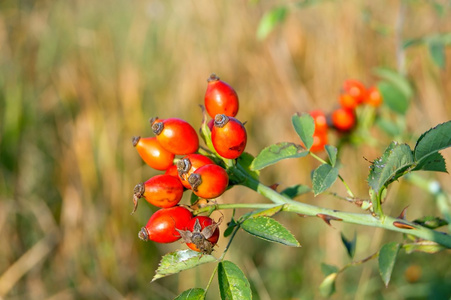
221	258
318	158
290	205
360	262
233	206
376	200
388	223
350	193
211	279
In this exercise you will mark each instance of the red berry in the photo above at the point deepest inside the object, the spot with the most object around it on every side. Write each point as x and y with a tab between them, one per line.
153	153
343	119
347	101
163	225
202	234
172	170
220	98
175	135
187	165
319	141
373	97
228	136
160	190
320	120
355	89
209	181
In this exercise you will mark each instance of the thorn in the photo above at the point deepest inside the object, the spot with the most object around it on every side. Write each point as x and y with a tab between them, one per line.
274	186
327	218
402	215
303	216
403	225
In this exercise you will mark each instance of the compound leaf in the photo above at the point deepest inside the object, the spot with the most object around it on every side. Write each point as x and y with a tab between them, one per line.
233	284
274	153
181	260
270	230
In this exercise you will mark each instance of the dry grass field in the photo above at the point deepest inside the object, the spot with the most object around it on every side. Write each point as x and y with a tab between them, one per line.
79	78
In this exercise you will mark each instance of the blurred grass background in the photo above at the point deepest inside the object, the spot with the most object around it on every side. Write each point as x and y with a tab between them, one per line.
79	78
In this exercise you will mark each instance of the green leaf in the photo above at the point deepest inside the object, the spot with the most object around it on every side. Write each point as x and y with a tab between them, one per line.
425	247
441	38
432	141
327	287
387	259
233	284
437	53
295	190
395	89
327	269
205	132
434	162
181	260
323	178
431	222
396	159
245	160
263	212
193	198
230	227
269	230
304	126
269	20
439	9
349	244
393	97
413	42
400	82
332	153
388	126
192	294
274	153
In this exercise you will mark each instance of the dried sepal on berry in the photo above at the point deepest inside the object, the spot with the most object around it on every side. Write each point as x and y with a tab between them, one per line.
201	239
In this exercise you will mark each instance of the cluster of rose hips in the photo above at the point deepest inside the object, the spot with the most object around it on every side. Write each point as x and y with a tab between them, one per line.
343	119
175	150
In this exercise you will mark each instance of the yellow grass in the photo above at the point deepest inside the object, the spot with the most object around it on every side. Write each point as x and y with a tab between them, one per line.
79	78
